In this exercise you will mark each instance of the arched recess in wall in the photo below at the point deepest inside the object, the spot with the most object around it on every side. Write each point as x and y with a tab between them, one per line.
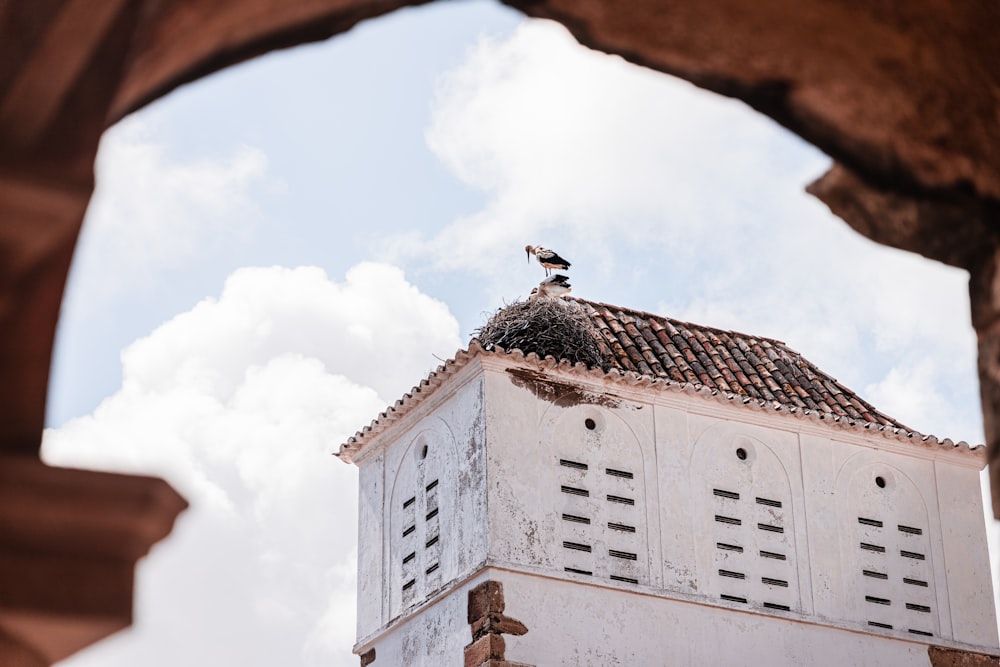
886	540
744	520
421	518
601	512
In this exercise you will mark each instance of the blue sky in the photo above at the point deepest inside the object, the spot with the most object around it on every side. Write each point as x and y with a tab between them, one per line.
278	251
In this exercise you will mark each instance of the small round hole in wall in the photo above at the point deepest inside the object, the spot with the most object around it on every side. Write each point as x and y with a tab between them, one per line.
593	422
880	482
745	450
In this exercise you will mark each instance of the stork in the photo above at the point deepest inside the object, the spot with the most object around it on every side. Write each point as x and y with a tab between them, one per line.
549	259
551	287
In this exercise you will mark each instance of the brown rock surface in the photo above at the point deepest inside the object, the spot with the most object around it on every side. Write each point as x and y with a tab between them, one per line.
949	657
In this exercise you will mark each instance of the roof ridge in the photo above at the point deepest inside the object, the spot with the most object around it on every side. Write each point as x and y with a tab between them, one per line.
644	313
755	375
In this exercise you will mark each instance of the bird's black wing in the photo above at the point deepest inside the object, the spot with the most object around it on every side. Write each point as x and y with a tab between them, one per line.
552	257
558	279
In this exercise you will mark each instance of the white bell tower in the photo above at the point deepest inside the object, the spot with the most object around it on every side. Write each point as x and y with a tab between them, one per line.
516	511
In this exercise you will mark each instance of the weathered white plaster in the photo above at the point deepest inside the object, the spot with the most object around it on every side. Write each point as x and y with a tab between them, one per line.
578	624
872	520
371	503
743	508
429	525
964	540
649	522
433	635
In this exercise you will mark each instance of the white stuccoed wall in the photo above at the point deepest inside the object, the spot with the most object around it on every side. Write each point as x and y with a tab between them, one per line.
422	509
615	628
720	535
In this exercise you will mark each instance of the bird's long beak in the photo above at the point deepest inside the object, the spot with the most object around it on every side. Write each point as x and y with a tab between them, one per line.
528	254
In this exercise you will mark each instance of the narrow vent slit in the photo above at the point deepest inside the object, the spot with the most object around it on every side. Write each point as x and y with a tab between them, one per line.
577	571
576	546
409	530
733	598
875	575
627	580
432	486
922	633
774	582
573	491
410	556
918	607
911	554
620	473
433	567
910	530
625	555
771	554
768	502
431	542
769	528
409	584
433	513
729	547
772	605
869	522
873	547
622	527
576	465
914	582
731	495
731	574
729	520
409	502
621	500
876	624
875	600
576	519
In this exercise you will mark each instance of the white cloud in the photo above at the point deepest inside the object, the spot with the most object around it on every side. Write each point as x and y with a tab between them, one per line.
910	394
391	328
151	211
239	403
577	145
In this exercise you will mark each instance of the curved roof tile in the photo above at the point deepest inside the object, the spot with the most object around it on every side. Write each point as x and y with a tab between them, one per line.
726	361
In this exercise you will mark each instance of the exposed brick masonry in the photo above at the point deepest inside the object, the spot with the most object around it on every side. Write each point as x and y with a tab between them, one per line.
489	624
949	657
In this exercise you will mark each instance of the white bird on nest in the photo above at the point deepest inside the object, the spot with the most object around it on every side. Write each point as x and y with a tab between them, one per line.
549	259
552	287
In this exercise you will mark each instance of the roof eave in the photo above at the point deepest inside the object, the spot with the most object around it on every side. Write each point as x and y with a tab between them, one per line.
355	448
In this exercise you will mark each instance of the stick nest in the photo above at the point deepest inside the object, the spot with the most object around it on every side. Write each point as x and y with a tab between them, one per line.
546	327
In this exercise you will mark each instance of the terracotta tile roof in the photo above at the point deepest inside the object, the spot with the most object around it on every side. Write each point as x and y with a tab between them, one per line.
726	361
661	354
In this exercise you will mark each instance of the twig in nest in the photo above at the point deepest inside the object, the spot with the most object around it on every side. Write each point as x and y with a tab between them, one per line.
545	327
